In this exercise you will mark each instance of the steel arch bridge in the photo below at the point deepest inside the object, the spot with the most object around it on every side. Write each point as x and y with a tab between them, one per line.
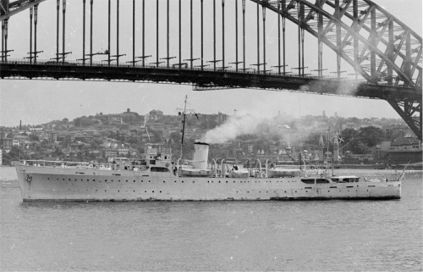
383	53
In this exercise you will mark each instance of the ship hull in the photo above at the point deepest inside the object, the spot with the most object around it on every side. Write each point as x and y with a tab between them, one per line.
86	184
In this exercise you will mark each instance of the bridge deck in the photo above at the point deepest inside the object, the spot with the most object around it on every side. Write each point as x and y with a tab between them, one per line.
203	78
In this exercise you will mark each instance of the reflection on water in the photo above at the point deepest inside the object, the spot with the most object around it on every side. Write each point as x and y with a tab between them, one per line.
309	235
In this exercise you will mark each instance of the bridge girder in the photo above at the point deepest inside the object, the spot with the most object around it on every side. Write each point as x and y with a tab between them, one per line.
9	8
411	111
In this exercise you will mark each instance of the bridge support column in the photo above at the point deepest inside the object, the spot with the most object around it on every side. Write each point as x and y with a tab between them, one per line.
63	29
5	33
117	32
57	29
83	31
91	31
35	33
2	40
338	40
31	12
243	36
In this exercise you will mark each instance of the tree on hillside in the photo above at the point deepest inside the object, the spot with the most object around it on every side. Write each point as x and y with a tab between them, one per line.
372	136
14	154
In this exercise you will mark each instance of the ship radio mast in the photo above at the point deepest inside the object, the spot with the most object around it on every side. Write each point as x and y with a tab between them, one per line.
184	112
184	116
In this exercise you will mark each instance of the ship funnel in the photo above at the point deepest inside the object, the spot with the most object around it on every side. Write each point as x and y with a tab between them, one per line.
201	154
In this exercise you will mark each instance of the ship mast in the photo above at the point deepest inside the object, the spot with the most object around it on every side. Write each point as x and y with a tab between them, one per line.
184	115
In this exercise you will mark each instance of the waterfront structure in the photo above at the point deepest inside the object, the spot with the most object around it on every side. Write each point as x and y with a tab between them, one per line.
402	151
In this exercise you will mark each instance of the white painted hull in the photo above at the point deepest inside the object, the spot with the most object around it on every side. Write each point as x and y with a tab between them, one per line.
85	184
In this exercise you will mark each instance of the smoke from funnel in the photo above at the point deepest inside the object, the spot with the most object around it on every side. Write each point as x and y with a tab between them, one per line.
339	87
232	128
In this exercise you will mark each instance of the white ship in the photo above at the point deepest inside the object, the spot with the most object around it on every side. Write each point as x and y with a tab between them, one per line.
197	180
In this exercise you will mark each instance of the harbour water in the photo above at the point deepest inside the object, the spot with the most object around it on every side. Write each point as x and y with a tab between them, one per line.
270	235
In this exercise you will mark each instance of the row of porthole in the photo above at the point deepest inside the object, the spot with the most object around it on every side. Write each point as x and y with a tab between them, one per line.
161	191
69	179
132	191
242	181
236	191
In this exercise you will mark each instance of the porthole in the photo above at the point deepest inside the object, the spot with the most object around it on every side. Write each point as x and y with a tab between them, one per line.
134	180
164	181
48	178
133	191
219	181
118	191
182	181
175	181
152	191
193	181
160	191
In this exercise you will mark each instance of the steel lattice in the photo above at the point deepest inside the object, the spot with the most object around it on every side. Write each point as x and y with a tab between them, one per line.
379	47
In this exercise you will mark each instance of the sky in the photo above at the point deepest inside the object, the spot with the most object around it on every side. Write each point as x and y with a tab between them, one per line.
40	101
